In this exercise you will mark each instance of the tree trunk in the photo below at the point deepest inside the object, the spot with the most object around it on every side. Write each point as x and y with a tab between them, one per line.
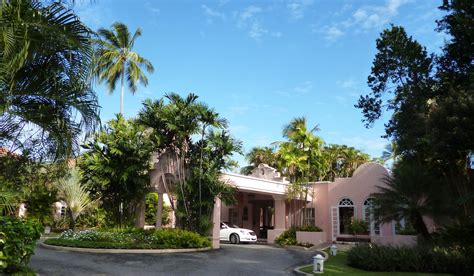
122	91
200	170
140	213
159	211
420	227
72	221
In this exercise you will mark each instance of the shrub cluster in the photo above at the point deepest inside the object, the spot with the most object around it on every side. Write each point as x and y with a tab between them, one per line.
131	238
423	258
289	236
17	243
358	227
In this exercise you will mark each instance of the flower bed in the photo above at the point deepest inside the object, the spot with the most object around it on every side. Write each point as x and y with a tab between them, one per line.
131	239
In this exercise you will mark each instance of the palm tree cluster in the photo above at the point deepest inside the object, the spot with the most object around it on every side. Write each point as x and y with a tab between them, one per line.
305	156
174	121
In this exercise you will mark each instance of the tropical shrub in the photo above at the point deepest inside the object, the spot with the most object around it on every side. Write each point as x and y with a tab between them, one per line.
289	236
17	242
131	238
358	227
407	259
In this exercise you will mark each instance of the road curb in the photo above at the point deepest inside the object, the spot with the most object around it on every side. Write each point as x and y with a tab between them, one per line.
124	251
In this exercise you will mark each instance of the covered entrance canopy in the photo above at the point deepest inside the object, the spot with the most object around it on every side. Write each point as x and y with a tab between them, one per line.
262	204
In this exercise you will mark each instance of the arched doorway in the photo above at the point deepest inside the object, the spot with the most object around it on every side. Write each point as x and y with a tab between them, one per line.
346	215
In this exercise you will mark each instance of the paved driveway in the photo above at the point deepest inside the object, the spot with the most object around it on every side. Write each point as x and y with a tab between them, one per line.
243	259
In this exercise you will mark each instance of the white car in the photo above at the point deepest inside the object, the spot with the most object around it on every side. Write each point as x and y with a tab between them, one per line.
235	234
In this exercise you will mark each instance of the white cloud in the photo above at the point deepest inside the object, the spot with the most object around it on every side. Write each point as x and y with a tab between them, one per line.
362	19
297	8
332	33
347	84
151	8
256	31
248	14
212	14
251	21
304	87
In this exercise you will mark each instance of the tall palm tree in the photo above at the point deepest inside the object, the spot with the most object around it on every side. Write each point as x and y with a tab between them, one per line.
208	117
116	60
45	63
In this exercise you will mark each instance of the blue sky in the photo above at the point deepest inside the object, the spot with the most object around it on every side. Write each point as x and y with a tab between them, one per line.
262	63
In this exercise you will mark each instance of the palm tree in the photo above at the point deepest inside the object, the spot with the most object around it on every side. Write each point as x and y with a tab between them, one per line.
76	196
116	60
45	63
411	193
208	117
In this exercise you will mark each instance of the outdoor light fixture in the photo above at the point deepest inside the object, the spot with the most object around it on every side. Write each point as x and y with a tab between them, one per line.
333	249
318	264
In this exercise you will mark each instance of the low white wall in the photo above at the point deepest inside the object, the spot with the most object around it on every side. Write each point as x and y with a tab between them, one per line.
397	240
273	234
314	238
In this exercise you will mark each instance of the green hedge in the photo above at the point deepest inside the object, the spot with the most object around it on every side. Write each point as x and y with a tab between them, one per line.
289	236
131	239
407	259
17	243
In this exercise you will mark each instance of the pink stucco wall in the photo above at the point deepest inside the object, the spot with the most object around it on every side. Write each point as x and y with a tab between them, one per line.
358	188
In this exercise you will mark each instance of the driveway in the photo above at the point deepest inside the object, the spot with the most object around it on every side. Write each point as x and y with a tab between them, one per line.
242	259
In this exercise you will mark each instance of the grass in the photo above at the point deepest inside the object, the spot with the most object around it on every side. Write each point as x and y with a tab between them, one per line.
338	264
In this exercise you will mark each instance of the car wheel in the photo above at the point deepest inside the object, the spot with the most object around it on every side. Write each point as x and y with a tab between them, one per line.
234	238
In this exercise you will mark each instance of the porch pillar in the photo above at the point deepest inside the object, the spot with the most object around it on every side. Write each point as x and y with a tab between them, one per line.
280	212
159	211
280	219
216	220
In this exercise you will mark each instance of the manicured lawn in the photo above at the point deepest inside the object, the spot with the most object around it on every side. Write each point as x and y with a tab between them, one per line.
337	264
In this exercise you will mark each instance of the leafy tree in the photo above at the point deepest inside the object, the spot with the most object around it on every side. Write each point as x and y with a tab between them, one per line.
45	61
116	60
116	167
432	102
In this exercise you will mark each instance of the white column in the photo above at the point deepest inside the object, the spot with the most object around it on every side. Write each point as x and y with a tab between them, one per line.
280	213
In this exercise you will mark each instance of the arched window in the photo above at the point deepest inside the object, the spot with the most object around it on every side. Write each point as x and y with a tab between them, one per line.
346	202
369	216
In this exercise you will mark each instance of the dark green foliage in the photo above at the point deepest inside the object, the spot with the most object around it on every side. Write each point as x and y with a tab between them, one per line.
289	236
32	183
431	100
458	237
418	259
116	167
413	191
20	238
132	239
358	227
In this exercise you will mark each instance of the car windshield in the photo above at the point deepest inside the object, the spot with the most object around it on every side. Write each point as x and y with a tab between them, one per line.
231	225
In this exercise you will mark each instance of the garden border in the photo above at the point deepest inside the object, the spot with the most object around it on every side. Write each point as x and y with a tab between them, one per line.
124	251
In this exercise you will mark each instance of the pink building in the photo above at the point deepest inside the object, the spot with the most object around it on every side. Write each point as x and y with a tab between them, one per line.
264	207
